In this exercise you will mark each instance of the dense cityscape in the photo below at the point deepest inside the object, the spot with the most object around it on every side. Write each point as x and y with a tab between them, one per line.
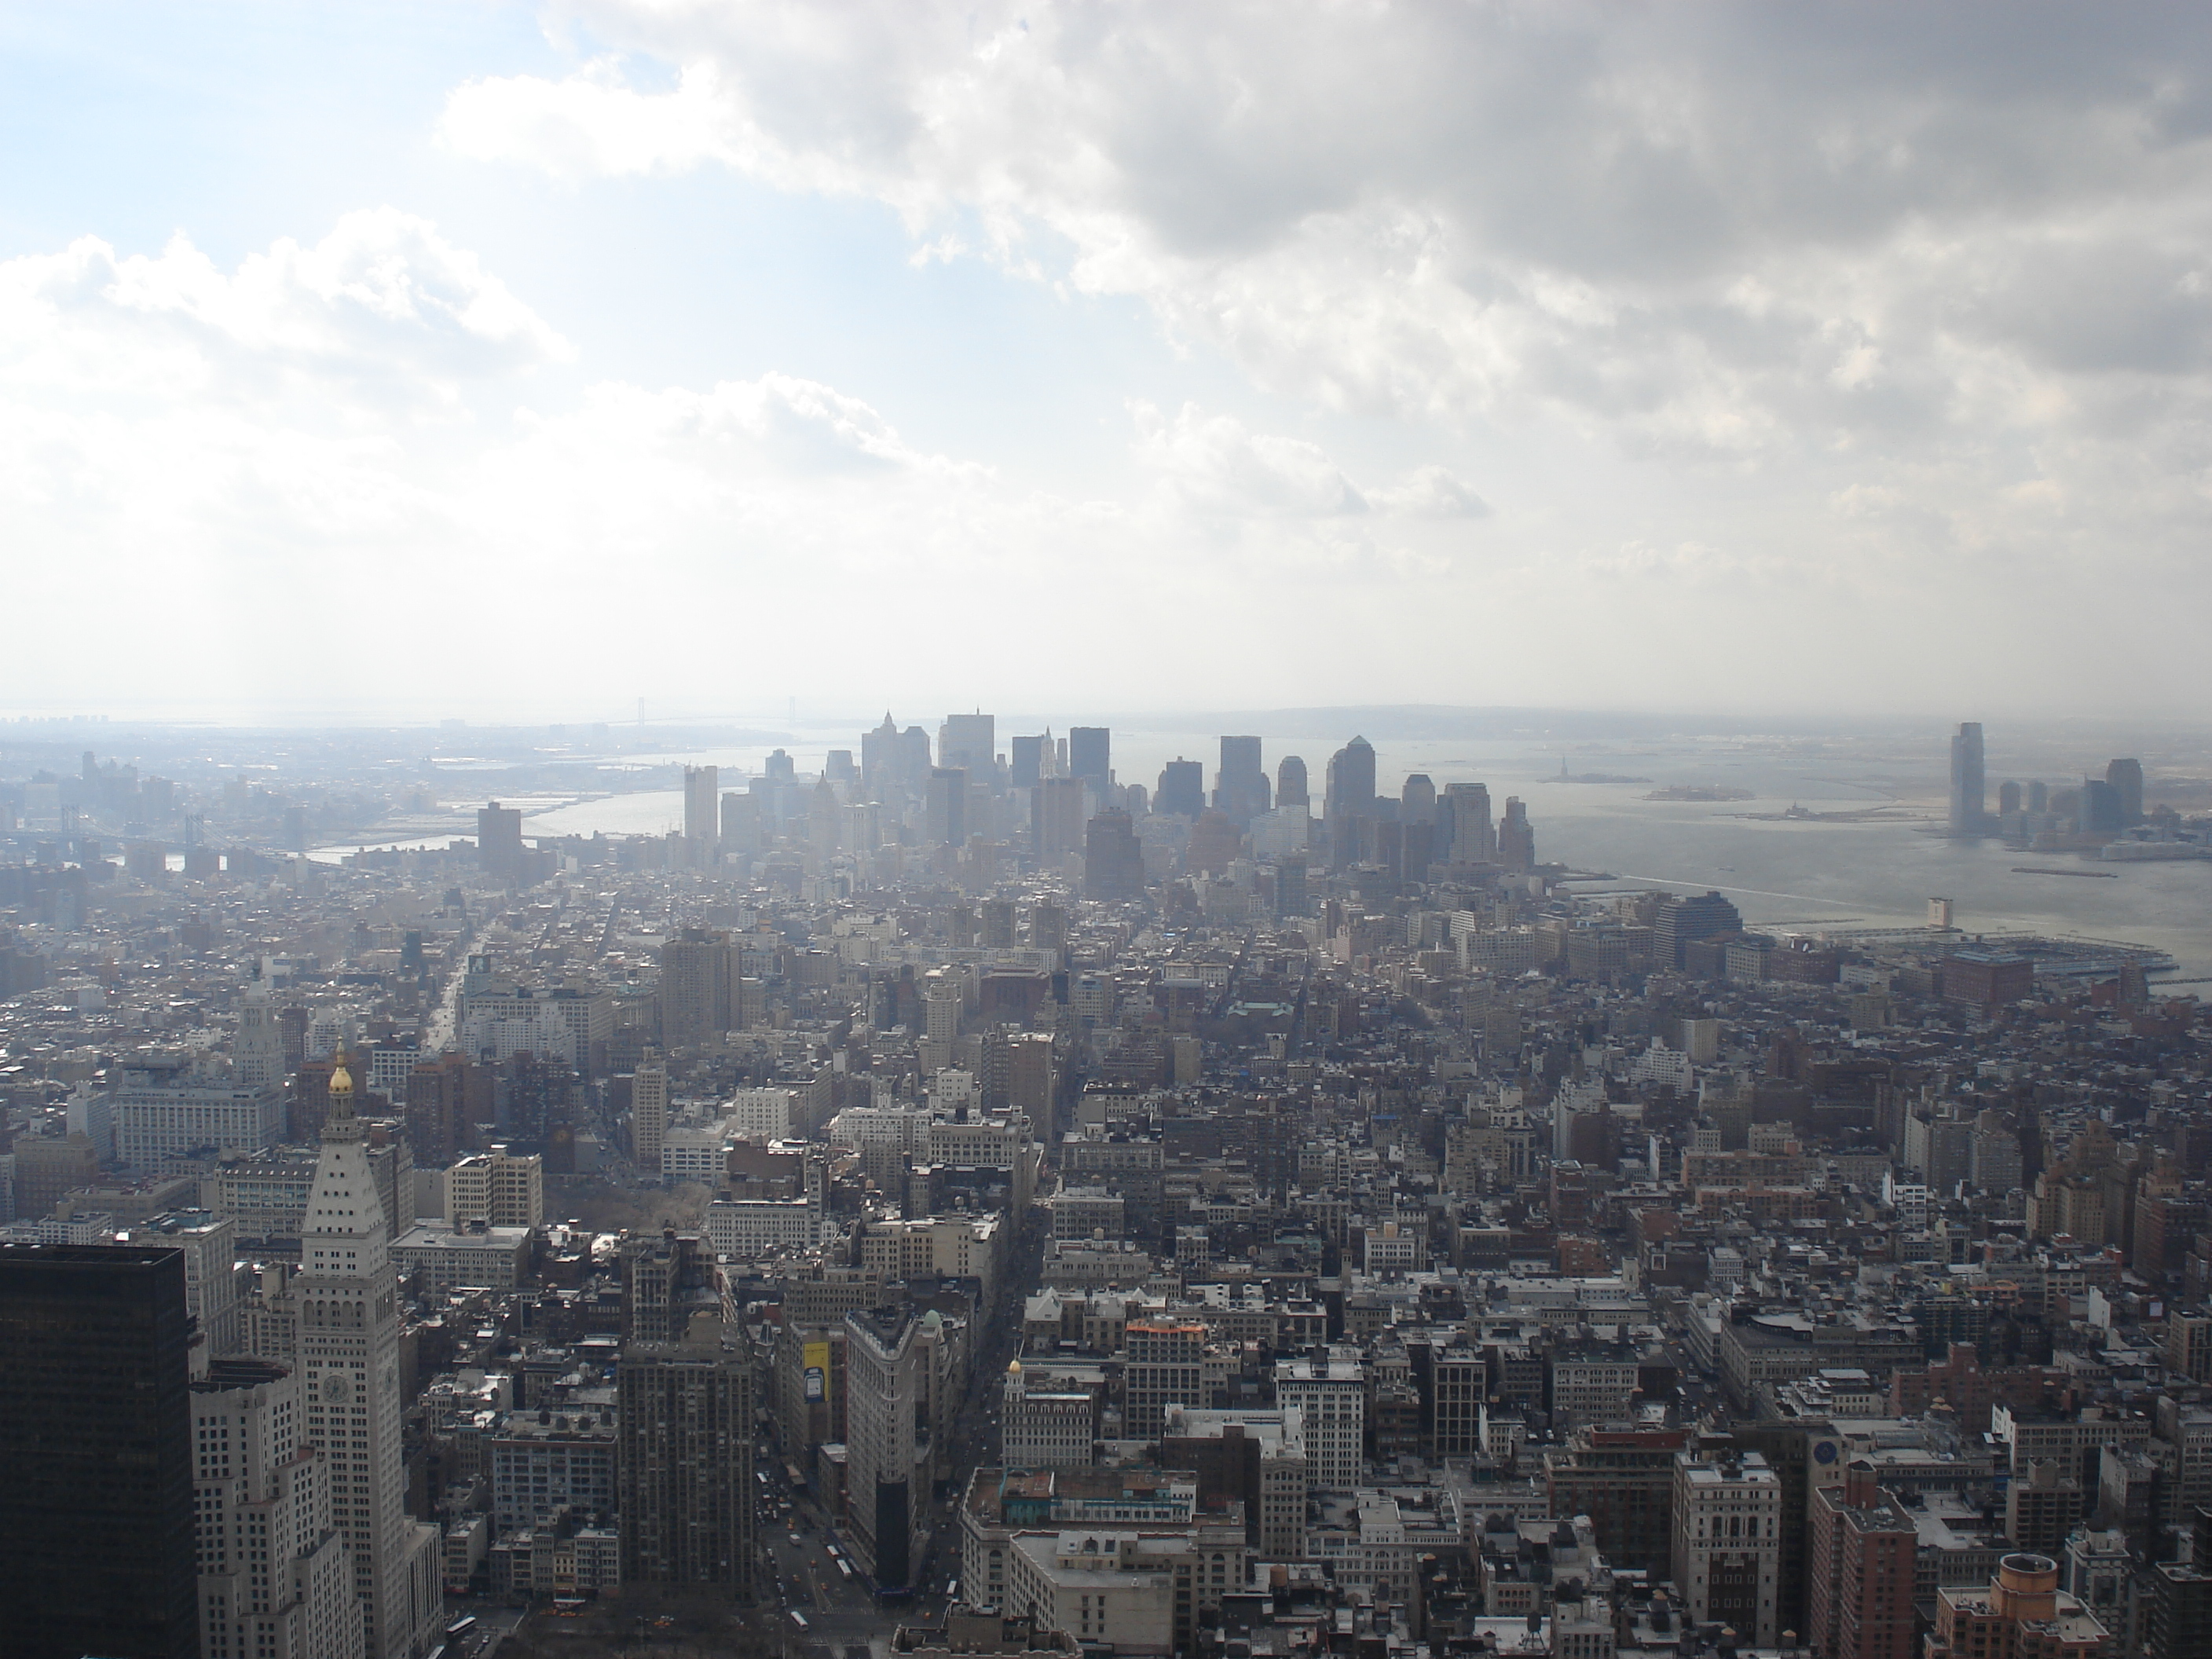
954	1198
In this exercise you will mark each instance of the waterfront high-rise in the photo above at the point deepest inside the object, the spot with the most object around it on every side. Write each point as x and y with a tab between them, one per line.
702	812
1348	800
349	1360
96	1543
1969	789
1290	789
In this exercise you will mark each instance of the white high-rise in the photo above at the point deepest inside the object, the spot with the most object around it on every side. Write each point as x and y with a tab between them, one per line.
256	1054
348	1302
275	1579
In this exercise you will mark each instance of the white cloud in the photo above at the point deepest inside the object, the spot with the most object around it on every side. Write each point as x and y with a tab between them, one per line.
1956	279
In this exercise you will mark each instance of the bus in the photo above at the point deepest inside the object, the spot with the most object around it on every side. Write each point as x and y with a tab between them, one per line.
798	1619
461	1626
844	1566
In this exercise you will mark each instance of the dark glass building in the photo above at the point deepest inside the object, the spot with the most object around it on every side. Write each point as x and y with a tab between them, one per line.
96	1542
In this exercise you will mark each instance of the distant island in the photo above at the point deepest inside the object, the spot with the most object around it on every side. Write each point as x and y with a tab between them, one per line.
1700	791
1601	777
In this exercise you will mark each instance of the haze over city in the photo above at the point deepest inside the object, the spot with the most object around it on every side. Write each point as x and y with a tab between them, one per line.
1347	829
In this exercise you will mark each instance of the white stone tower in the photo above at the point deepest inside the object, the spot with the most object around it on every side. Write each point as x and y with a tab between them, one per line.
348	1298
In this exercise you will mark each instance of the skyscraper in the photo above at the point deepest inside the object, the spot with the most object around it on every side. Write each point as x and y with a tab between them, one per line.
886	1469
275	1581
945	810
2126	777
1474	838
1027	763
499	842
1091	756
1682	920
1056	818
1181	792
1969	791
257	1054
1348	800
648	1113
684	1469
1517	837
1113	859
1240	787
348	1300
1290	783
703	810
96	1541
969	741
698	978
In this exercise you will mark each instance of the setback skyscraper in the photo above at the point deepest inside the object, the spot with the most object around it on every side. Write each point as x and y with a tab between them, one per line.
349	1362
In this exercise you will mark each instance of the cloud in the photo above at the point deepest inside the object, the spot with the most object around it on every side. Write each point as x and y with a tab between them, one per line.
383	301
1712	230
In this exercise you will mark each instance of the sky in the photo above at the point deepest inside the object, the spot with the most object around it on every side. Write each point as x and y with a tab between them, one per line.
488	361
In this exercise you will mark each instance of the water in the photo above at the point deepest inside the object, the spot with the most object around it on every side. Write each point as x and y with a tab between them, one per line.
1876	874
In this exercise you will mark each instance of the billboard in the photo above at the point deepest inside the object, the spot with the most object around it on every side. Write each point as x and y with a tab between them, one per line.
816	1357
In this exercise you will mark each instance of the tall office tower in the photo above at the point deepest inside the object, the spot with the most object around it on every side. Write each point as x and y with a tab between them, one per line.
1181	792
1417	799
648	1114
275	1580
1091	756
1682	920
1330	1397
2008	798
703	807
499	842
1348	800
1290	898
446	1097
1056	818
2039	797
1049	929
684	1468
2101	812
2126	777
1969	791
1290	783
698	979
879	755
970	742
1350	785
1164	1365
1240	787
1727	1543
349	1299
944	809
1026	763
1001	920
886	1462
1113	859
257	1054
1517	837
1862	1550
1473	837
96	1545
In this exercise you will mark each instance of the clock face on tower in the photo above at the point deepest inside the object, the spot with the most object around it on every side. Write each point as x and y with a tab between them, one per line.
338	1388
